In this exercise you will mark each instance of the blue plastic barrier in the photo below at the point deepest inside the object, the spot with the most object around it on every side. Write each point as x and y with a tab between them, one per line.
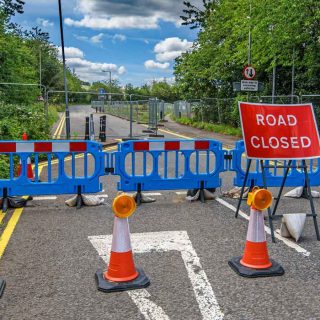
142	165
63	178
274	176
195	163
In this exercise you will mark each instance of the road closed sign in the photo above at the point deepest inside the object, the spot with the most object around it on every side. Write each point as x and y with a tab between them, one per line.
279	131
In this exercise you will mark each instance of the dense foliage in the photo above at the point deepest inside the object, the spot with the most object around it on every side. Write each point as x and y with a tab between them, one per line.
26	57
284	32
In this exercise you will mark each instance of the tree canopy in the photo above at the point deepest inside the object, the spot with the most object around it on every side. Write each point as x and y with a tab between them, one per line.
24	55
284	32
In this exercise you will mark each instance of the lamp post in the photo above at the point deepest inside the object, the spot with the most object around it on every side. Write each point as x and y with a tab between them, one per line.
109	77
64	73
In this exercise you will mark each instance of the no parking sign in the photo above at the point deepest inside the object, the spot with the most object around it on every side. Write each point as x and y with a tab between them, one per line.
273	131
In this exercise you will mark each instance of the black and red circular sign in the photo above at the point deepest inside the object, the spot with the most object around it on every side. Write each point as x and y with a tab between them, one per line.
249	72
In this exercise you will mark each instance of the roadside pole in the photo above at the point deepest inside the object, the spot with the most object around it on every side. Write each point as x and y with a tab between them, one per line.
131	117
64	74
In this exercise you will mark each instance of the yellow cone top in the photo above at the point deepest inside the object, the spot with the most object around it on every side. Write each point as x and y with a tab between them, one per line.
123	206
260	199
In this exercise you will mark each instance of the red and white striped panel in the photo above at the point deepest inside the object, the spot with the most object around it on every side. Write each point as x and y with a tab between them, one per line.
171	145
43	147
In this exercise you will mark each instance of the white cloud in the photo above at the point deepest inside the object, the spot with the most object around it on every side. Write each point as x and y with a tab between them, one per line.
92	71
97	38
125	14
44	23
89	70
71	52
122	70
113	22
169	80
81	38
120	37
150	64
171	48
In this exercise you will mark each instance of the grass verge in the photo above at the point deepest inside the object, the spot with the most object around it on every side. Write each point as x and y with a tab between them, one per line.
212	127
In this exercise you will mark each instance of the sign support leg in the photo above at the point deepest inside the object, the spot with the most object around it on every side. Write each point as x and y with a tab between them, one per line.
313	211
269	209
243	186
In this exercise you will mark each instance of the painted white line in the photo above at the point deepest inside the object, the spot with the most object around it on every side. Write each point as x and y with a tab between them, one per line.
181	193
167	241
102	196
148	308
286	241
147	194
153	194
45	198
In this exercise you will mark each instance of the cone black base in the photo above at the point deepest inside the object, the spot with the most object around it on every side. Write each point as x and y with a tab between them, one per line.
142	281
2	286
274	270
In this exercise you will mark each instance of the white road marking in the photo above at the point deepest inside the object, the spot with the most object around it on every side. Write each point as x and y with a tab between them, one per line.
102	196
286	241
148	194
45	198
148	308
55	198
152	194
181	193
167	241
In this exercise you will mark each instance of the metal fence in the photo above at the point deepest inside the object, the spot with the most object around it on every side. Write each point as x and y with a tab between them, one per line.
225	111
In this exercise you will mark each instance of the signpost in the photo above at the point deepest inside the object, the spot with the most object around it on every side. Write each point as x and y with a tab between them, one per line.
102	94
286	132
279	131
249	72
249	85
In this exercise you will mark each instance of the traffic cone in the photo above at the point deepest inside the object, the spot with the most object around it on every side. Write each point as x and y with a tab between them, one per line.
121	274
30	174
255	261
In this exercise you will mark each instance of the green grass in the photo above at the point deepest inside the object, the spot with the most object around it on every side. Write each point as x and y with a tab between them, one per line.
212	127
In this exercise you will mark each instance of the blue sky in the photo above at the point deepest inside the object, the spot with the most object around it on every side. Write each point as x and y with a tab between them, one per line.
137	40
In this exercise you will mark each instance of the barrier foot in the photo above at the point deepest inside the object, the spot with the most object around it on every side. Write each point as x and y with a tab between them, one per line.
5	200
79	198
304	193
202	198
138	198
142	281
200	194
2	286
275	270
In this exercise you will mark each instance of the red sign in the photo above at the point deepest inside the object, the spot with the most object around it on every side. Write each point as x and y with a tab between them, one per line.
273	131
249	72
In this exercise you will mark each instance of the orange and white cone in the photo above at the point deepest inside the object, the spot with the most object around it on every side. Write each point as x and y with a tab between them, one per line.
255	261
30	174
121	274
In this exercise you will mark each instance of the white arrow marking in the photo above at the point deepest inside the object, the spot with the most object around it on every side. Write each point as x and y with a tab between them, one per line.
168	241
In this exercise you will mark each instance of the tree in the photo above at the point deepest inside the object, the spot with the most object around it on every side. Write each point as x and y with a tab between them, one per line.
282	30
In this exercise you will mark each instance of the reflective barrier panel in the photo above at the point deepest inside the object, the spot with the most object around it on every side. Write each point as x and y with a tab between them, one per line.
169	164
274	175
66	167
70	167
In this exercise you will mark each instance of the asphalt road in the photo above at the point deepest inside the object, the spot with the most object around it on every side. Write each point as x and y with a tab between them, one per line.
54	252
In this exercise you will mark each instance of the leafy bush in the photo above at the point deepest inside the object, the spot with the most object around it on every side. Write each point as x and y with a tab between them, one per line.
213	127
17	119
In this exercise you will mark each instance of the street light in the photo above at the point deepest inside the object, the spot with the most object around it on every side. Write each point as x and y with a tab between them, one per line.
64	73
109	77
